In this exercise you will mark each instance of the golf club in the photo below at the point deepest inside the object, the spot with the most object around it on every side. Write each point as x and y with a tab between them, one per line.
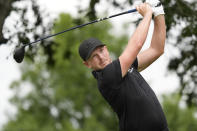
19	53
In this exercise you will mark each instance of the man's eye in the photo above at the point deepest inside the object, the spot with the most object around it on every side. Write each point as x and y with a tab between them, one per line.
93	56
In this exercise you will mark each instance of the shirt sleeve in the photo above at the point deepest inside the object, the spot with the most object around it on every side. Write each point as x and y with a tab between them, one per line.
135	64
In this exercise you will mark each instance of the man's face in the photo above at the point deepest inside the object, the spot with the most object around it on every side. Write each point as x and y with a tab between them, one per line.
98	59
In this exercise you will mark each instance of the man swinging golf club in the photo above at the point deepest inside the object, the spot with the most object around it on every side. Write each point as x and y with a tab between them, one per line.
120	82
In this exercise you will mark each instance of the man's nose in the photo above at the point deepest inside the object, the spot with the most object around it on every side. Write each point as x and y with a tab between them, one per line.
100	56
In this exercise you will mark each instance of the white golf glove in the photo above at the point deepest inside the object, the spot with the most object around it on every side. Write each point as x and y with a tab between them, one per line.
156	10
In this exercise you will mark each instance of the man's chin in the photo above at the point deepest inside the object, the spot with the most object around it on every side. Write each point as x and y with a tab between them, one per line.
100	67
104	65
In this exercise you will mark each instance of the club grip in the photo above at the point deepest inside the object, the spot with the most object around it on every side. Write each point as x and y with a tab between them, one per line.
131	11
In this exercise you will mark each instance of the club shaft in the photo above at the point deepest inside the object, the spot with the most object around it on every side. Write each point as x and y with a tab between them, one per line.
79	26
82	25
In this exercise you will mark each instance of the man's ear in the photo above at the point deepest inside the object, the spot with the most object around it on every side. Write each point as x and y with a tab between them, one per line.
86	64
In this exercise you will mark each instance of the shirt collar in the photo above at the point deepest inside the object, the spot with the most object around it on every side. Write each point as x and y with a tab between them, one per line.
96	73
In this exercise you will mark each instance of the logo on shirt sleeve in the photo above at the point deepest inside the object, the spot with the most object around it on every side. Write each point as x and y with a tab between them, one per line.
130	70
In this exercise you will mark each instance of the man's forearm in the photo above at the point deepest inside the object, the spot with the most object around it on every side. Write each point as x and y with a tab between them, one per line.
137	39
159	34
141	32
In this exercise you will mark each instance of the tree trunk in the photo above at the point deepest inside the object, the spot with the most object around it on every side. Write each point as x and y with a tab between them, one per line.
5	9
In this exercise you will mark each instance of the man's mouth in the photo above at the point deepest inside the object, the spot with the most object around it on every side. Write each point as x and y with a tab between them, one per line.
104	63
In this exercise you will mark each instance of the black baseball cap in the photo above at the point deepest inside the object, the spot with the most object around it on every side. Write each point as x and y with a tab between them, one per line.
88	46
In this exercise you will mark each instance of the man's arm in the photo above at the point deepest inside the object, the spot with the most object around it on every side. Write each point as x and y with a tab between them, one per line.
137	40
156	48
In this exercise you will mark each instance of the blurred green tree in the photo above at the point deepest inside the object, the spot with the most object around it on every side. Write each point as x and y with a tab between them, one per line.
181	16
4	14
23	25
179	116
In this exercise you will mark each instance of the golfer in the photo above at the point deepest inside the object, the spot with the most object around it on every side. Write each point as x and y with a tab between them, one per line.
120	82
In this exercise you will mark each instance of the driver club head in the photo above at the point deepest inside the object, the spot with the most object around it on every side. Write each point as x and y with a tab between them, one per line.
19	54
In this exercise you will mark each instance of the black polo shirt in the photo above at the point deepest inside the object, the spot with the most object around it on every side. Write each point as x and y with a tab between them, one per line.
133	100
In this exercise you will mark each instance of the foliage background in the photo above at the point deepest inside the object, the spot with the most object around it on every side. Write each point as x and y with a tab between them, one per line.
63	94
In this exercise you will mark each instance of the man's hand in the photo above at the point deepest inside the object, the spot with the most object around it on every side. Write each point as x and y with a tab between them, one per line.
156	10
144	9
